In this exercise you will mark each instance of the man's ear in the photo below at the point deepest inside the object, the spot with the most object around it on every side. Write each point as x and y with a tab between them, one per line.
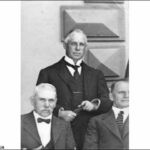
32	100
111	96
86	47
64	45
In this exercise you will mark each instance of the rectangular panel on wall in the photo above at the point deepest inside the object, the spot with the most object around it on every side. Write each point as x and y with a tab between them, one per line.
103	1
100	22
109	59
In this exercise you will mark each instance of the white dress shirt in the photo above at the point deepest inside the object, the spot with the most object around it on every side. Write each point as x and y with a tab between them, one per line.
44	129
117	110
70	61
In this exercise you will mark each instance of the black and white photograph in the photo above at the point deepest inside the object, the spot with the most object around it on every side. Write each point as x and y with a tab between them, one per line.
67	82
81	49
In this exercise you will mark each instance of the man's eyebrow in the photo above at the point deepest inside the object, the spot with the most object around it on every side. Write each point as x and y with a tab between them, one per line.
51	99
41	98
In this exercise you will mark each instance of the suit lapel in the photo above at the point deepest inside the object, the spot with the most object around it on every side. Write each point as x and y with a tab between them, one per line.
65	75
63	72
86	78
56	129
126	127
31	128
110	122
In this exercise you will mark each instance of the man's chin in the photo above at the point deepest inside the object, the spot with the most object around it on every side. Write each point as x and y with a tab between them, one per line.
77	58
125	106
46	114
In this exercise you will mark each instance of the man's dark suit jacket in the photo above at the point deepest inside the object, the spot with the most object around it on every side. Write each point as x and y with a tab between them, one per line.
94	87
61	131
103	133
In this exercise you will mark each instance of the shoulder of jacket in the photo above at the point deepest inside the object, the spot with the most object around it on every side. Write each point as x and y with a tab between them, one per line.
99	117
53	66
26	116
61	121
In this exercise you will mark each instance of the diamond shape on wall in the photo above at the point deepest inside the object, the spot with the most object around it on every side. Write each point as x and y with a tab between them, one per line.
111	61
90	29
106	1
100	23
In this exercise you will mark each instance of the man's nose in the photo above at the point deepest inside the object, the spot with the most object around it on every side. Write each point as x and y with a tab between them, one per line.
47	104
126	94
78	46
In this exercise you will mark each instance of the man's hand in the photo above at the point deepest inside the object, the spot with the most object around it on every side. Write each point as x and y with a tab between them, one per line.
90	105
87	105
67	115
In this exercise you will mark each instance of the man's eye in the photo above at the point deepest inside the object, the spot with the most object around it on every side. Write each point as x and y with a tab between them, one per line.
82	44
42	99
73	44
121	92
51	100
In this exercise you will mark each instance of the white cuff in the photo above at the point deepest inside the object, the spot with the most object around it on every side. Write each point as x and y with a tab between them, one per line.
96	102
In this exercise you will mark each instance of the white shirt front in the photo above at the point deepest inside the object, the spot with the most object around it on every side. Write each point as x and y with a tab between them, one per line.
44	129
70	61
125	114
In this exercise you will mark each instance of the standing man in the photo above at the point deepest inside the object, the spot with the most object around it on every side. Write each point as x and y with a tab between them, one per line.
40	129
111	130
82	90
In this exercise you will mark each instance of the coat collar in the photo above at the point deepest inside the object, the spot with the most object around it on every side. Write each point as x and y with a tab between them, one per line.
57	128
65	75
62	71
110	122
126	127
31	128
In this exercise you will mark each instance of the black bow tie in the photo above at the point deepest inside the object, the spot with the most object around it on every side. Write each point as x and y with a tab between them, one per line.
43	120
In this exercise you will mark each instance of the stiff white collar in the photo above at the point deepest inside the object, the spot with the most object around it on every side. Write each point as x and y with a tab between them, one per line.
69	60
117	110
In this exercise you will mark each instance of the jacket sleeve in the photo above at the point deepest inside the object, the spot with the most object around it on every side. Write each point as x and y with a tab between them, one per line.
70	142
43	77
91	136
103	95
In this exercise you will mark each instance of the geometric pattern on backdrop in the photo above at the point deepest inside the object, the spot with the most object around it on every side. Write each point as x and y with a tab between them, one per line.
111	60
100	23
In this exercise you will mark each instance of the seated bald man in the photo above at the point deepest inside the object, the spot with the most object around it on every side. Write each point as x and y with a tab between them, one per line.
111	130
39	128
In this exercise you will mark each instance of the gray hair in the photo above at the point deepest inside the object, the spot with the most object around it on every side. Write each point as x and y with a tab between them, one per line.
70	34
42	86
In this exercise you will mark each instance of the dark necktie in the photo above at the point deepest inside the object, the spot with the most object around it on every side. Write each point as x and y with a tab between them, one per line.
75	67
120	121
43	120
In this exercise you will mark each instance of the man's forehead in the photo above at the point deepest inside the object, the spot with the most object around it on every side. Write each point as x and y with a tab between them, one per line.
46	93
121	85
77	37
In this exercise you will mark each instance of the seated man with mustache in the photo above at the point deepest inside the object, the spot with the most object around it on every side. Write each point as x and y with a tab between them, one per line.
39	128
